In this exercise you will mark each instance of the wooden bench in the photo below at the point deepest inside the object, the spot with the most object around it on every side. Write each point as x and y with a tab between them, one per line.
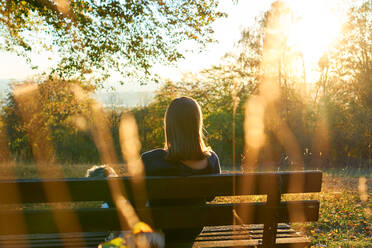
72	226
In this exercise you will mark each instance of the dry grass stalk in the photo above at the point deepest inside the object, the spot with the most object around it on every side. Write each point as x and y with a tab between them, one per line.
104	142
27	99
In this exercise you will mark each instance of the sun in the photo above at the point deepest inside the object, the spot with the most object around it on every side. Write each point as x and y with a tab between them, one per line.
315	29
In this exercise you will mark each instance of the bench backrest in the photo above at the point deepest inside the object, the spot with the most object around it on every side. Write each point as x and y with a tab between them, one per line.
271	212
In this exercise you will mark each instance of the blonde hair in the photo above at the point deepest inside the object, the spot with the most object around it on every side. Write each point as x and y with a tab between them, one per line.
183	126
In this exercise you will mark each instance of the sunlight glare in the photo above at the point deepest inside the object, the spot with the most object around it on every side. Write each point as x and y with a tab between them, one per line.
317	26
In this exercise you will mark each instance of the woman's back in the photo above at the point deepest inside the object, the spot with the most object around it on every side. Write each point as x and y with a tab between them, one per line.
156	164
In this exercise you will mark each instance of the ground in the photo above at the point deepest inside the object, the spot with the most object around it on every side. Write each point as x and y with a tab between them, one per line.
344	220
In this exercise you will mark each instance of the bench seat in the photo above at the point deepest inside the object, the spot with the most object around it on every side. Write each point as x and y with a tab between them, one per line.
82	226
248	236
211	237
54	240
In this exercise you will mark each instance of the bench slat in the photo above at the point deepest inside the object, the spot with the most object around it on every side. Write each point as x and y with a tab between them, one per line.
97	219
222	236
88	189
208	238
53	240
296	242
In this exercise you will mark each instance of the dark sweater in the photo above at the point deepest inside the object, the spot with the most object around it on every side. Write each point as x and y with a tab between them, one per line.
156	165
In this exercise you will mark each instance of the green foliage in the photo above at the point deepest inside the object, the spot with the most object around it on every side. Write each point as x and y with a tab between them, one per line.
27	171
58	112
150	118
16	133
101	36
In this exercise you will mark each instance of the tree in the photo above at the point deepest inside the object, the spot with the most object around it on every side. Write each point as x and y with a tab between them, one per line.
59	117
93	38
150	118
348	97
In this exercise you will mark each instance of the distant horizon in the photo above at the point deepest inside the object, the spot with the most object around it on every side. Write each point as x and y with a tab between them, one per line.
109	98
6	83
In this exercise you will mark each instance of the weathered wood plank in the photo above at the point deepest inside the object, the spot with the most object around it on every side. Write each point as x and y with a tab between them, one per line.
88	189
92	239
52	240
257	233
224	228
280	242
98	219
223	237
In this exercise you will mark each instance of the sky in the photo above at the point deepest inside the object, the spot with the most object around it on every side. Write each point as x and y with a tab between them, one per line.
227	32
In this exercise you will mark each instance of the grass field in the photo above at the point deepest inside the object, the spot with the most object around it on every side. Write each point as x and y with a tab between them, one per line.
345	218
345	207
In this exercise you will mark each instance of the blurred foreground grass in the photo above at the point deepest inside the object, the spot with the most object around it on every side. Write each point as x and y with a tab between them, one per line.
344	219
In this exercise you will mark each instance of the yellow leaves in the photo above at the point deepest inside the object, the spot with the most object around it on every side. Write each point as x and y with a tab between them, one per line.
141	227
117	242
192	35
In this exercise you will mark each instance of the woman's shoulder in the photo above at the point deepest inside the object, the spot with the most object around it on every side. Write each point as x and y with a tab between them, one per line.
154	153
214	161
156	164
213	155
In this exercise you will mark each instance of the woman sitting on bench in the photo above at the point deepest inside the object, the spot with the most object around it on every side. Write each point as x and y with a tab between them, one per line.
185	154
